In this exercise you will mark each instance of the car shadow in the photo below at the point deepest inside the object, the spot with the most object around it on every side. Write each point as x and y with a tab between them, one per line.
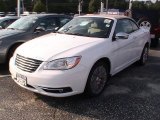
132	94
4	70
156	48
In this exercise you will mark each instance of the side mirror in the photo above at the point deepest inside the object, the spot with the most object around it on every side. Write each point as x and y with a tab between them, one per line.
39	29
121	35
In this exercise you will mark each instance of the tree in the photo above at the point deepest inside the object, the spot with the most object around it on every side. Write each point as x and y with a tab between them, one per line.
39	6
94	5
137	5
2	6
155	6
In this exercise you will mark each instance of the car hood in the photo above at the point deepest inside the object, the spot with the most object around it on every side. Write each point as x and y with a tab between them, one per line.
8	32
45	47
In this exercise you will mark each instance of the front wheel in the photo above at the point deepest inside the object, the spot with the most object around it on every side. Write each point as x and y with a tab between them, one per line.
97	79
144	55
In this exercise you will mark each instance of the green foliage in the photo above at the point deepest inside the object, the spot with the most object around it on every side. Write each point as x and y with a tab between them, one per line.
139	5
94	5
39	6
71	6
118	4
155	6
143	6
63	8
2	6
91	6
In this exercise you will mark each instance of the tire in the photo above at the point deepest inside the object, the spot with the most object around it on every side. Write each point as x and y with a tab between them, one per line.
145	23
97	79
154	42
144	56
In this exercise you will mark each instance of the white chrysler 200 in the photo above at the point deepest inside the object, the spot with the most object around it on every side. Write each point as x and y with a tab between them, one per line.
80	56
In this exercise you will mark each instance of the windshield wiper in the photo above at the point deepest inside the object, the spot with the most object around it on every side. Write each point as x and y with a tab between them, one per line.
11	28
59	32
79	34
66	29
14	28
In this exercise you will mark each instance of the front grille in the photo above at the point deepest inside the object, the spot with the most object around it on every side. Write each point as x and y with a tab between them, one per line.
27	64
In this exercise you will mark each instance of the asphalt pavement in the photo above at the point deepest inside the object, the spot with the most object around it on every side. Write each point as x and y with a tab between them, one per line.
133	94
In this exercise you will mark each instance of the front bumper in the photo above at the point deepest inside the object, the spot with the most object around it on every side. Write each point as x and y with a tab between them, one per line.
55	83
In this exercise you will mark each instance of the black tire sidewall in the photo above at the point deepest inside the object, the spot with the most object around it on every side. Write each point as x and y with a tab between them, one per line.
141	59
88	89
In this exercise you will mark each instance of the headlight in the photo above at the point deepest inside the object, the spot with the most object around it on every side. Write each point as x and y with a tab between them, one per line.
63	63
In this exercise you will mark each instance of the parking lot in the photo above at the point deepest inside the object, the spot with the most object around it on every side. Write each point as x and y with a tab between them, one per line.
133	94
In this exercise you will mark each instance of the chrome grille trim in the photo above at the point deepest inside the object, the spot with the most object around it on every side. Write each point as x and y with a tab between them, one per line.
27	64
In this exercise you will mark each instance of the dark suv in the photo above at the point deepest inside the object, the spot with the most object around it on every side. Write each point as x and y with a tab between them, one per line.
151	19
27	28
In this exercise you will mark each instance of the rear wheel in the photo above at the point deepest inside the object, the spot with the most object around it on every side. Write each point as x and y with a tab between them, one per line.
144	55
145	23
97	79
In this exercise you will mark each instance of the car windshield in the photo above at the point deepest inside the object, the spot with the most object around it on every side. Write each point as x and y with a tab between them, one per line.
24	23
88	26
1	20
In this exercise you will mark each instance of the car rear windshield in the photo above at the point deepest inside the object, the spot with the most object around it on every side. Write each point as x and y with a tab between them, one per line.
88	26
24	23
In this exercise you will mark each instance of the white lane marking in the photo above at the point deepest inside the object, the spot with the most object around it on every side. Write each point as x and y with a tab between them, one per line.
2	76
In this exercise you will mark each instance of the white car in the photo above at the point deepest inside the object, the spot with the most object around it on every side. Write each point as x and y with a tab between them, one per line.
80	56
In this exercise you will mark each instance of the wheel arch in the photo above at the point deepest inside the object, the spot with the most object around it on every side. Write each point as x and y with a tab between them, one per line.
107	63
105	60
147	44
12	47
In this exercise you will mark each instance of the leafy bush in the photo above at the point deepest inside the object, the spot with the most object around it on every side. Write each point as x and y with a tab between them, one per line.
39	6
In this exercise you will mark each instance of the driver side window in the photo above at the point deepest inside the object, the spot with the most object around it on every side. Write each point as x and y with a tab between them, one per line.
123	25
48	24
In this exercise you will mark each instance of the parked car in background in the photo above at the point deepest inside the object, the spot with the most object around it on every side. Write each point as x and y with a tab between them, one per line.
6	21
2	14
11	14
81	56
26	13
27	28
149	19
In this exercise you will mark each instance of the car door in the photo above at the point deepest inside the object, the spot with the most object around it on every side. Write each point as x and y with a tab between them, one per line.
138	37
123	48
45	26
